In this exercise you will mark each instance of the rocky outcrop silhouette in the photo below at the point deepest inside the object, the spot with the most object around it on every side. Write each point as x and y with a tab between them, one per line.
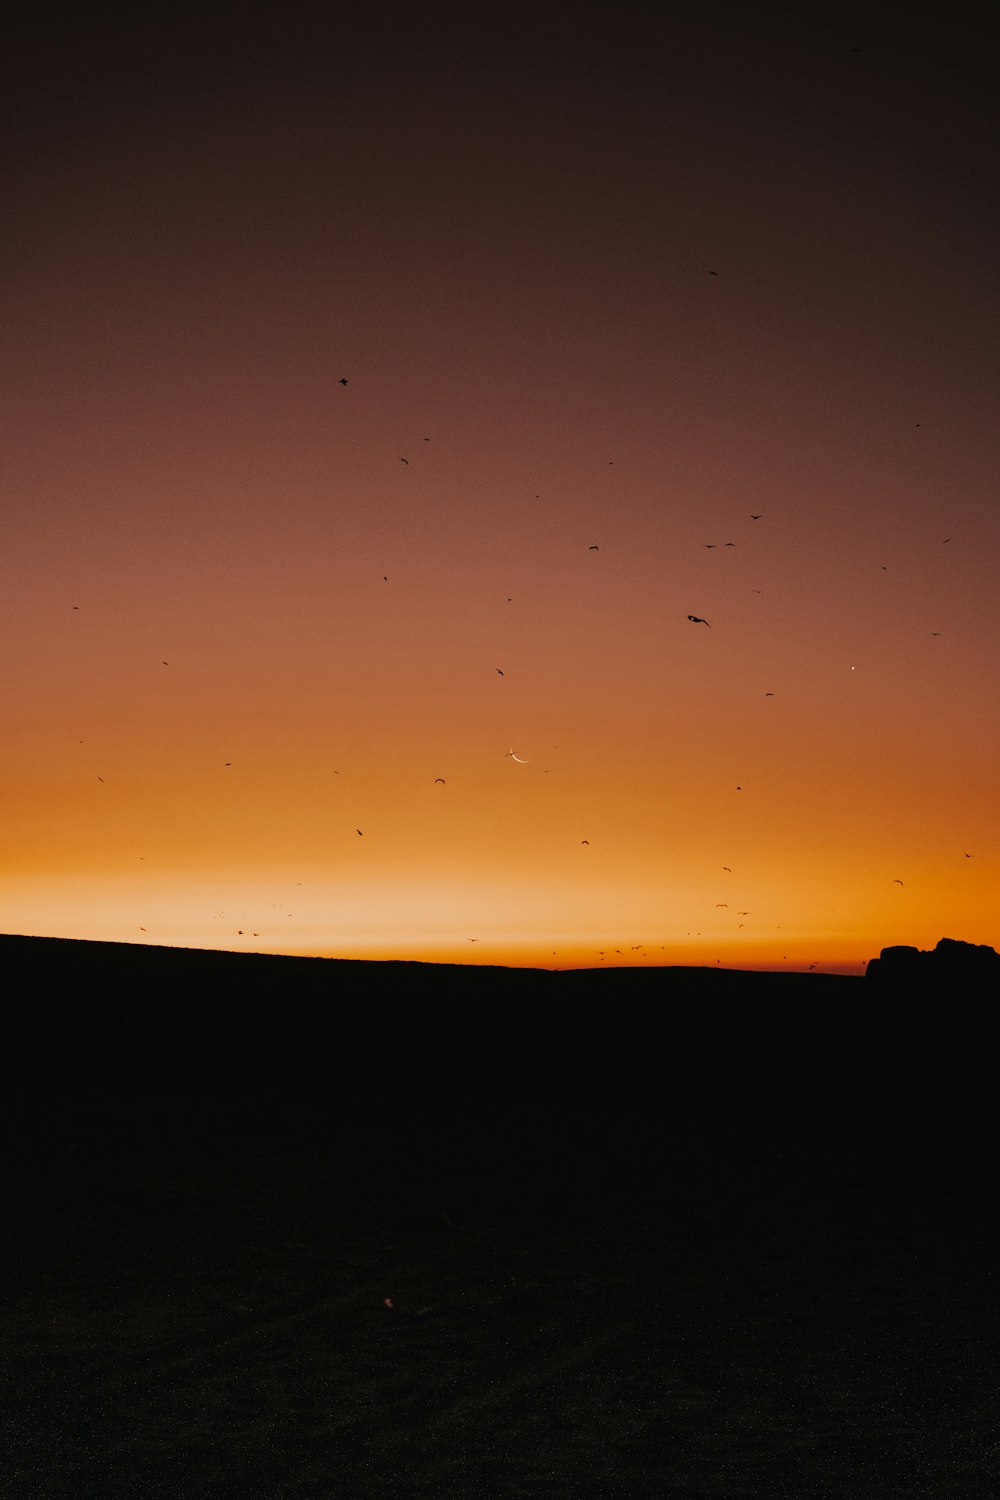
959	967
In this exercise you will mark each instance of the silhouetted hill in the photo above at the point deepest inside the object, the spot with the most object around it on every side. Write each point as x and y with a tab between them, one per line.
726	1045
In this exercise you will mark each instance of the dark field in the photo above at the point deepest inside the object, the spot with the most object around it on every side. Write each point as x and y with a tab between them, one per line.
673	1234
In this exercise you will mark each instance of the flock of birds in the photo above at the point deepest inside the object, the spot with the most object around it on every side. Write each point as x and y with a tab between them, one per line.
694	619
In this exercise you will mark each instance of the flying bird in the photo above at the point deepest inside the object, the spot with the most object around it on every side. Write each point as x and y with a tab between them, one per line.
359	833
768	695
165	664
722	903
697	620
499	673
439	779
729	544
727	869
593	548
587	841
895	882
709	546
404	460
757	516
342	380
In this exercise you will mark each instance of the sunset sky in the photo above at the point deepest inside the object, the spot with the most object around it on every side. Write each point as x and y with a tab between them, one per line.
602	290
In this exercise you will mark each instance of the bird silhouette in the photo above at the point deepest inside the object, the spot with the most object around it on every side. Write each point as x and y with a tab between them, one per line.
727	869
499	673
359	833
404	460
587	841
342	380
757	516
593	548
896	882
697	620
438	779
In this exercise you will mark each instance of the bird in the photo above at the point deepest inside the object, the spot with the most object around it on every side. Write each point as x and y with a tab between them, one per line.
342	380
739	789
895	882
359	833
404	460
722	903
697	620
710	547
593	547
727	869
729	544
165	664
499	673
768	695
587	841
713	273
757	516
968	856
439	779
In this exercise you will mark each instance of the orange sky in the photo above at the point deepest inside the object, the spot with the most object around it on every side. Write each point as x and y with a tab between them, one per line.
502	234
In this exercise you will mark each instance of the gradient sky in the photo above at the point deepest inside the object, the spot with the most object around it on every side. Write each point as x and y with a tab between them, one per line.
603	283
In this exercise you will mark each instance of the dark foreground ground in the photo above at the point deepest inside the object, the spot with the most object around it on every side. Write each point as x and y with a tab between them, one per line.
273	1230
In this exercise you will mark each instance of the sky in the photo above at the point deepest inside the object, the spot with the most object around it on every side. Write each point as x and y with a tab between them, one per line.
383	396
